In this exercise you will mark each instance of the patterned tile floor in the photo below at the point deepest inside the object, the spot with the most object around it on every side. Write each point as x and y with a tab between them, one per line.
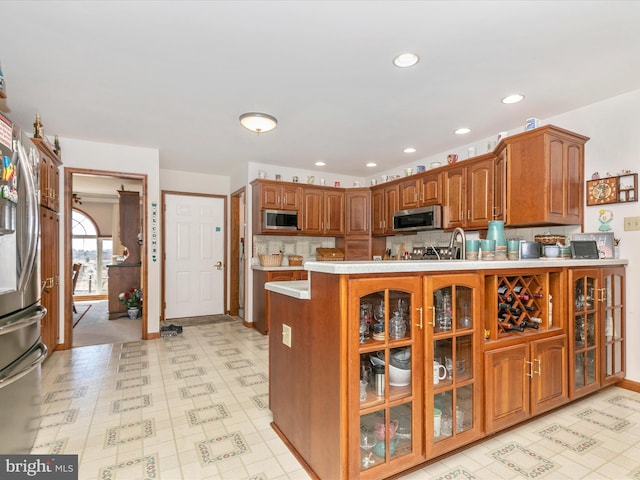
195	406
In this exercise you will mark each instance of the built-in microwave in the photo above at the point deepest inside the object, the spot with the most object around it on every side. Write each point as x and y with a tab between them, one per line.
416	219
279	220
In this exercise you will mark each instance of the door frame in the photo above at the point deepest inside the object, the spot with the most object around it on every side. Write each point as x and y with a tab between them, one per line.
163	233
67	344
234	259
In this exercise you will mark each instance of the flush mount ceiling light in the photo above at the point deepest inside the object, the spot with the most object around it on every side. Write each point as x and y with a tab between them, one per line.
409	150
462	131
515	98
370	164
405	60
320	164
258	122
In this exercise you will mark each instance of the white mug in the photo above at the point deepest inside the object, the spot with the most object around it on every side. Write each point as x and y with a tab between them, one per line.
436	372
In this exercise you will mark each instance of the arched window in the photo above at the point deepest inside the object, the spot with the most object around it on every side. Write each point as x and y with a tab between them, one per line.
92	252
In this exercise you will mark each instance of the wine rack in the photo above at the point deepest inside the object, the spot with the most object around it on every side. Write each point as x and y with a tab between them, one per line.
520	303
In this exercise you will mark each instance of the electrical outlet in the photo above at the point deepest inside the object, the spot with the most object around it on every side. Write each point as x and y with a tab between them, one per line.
286	335
631	223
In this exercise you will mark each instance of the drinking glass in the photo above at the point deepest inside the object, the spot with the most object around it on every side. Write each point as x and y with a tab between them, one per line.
367	442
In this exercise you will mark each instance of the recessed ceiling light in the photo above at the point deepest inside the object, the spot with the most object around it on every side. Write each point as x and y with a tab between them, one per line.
515	98
409	150
371	164
462	131
405	60
320	164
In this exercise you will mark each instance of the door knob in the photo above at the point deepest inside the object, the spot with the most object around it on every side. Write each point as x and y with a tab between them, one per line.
219	265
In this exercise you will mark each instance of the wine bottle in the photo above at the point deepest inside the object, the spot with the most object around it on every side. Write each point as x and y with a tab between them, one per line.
517	289
515	310
524	297
504	306
502	289
508	299
510	326
535	319
537	295
524	324
530	308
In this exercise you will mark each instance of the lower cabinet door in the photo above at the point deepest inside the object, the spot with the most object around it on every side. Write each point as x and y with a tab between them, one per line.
549	381
506	386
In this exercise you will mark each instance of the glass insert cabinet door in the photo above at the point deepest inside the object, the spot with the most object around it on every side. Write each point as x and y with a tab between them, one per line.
385	384
453	335
584	334
613	298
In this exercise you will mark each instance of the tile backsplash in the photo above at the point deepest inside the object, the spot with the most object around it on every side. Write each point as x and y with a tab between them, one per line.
289	245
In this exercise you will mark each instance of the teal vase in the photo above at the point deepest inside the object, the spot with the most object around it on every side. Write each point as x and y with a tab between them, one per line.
496	232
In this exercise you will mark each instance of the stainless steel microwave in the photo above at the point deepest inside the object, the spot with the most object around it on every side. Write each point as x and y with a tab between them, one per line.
417	219
279	220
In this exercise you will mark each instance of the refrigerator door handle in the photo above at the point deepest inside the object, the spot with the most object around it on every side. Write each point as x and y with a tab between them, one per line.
32	217
19	320
5	382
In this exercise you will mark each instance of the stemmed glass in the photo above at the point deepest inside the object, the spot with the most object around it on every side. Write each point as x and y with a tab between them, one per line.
367	442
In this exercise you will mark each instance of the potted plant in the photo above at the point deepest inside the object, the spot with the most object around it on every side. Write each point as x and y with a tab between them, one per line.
132	300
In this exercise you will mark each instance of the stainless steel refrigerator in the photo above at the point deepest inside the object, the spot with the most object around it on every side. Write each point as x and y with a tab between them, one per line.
21	351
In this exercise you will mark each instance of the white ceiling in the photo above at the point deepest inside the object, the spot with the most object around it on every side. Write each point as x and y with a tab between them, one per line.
175	75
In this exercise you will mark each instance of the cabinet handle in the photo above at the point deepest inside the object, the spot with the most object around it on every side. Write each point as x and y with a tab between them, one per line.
539	372
603	295
433	317
419	325
468	214
530	374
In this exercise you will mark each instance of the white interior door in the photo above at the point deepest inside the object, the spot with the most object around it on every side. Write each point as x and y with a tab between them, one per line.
194	249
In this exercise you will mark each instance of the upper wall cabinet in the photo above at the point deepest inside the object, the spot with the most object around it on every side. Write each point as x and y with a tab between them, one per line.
545	177
278	196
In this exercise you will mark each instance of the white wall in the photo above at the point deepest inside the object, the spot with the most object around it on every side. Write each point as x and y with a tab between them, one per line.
120	158
613	127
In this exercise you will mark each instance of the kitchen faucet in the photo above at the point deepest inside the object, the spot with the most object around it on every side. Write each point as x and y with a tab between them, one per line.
458	232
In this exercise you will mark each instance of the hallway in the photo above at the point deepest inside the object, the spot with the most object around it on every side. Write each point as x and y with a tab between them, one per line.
195	406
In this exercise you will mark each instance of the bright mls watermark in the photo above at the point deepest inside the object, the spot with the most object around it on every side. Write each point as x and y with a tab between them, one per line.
25	467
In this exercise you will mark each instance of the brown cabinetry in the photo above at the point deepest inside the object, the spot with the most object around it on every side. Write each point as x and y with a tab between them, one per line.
391	401
49	175
357	243
431	189
278	196
323	211
50	276
597	328
126	275
545	177
523	380
385	201
49	242
261	298
468	194
453	387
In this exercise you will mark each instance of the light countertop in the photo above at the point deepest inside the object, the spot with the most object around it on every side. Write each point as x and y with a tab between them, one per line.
406	266
301	288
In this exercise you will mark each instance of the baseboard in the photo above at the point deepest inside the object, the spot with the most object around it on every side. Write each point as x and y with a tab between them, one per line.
629	385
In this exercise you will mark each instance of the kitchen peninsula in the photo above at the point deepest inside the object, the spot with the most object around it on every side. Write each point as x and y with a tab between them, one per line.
463	318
